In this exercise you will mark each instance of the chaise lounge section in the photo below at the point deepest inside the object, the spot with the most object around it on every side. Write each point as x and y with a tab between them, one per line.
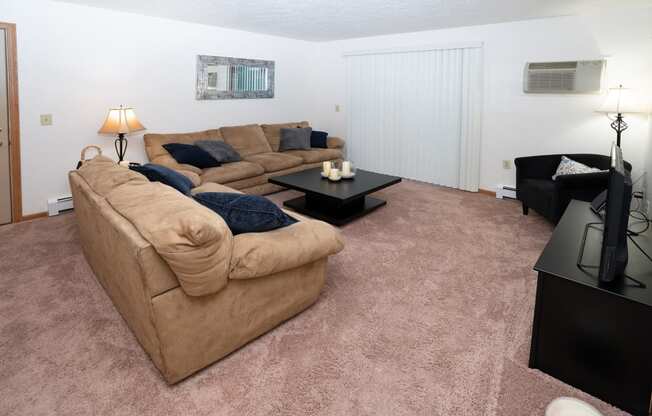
190	290
258	145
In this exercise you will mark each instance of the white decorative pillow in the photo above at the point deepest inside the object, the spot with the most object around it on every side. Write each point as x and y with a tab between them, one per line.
570	167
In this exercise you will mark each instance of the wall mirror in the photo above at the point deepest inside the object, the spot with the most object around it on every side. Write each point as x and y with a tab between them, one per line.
222	77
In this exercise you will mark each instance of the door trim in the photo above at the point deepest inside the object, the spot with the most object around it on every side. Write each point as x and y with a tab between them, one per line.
14	121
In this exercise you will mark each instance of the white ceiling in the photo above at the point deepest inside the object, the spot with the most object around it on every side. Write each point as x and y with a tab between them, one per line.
319	20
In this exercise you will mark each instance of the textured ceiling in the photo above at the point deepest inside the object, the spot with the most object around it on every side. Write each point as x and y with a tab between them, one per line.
340	19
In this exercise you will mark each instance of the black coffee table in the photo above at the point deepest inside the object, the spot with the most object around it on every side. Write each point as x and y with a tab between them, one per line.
335	202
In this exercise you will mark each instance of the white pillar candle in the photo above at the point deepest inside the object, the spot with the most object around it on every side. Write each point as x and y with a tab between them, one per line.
327	168
346	168
335	174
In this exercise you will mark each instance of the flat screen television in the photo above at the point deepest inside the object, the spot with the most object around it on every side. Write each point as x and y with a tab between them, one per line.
613	257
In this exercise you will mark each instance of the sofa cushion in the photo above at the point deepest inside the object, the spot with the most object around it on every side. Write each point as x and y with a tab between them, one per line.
246	140
191	155
221	151
273	132
275	161
316	155
262	254
168	160
194	242
295	139
213	187
334	142
167	176
245	213
154	142
230	172
104	175
319	139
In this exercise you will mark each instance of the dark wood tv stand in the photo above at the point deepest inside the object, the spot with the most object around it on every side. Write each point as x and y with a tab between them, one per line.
597	338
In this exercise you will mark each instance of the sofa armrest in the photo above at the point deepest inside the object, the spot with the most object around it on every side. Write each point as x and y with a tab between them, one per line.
262	254
334	142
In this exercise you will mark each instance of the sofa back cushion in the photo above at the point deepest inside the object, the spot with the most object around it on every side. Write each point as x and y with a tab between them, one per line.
246	140
154	142
273	132
194	241
104	175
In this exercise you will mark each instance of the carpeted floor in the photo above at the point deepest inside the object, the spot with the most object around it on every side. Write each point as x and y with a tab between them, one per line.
427	311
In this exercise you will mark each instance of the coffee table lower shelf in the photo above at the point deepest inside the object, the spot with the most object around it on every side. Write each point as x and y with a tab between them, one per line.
332	210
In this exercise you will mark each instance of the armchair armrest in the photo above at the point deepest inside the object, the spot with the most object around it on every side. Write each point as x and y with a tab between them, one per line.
536	167
189	171
334	142
585	180
262	254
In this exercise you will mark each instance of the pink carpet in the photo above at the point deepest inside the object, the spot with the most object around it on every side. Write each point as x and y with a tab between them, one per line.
427	311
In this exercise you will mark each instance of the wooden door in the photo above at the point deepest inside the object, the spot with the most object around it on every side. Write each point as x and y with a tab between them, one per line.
5	169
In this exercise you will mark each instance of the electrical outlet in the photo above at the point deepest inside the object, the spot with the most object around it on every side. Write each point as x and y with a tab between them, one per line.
46	119
507	164
337	108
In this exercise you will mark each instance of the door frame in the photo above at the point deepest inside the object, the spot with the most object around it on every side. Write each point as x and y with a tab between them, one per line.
14	121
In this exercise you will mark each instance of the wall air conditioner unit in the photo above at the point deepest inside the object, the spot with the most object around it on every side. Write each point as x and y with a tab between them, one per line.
572	77
58	205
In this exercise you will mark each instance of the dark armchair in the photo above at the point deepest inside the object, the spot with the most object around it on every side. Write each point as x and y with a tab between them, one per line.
536	189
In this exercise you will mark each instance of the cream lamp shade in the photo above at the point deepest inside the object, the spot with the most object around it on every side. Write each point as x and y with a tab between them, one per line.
121	120
622	100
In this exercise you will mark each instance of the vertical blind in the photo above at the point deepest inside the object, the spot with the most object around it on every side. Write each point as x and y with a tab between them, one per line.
417	114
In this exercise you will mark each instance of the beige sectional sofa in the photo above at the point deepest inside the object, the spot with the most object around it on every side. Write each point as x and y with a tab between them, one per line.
258	146
190	290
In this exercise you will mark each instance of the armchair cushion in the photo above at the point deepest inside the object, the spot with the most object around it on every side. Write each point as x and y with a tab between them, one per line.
568	166
262	254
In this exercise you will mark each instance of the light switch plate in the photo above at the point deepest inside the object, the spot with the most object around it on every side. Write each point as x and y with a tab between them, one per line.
337	108
507	164
46	119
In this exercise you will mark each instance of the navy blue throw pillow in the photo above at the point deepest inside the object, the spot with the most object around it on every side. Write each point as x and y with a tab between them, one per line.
158	173
319	139
191	155
245	213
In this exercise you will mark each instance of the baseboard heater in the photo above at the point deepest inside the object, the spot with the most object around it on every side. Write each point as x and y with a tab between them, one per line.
505	192
58	205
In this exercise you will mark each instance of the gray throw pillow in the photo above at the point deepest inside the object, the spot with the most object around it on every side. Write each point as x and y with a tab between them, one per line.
295	139
221	151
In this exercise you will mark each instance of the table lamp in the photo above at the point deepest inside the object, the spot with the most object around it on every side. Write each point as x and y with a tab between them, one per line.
621	101
121	121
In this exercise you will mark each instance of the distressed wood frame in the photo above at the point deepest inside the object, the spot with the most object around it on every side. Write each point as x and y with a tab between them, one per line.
203	93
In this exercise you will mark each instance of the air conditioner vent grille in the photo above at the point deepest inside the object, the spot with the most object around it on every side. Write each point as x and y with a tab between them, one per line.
551	81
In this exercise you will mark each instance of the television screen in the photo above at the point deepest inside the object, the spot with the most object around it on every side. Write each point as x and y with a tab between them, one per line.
613	259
